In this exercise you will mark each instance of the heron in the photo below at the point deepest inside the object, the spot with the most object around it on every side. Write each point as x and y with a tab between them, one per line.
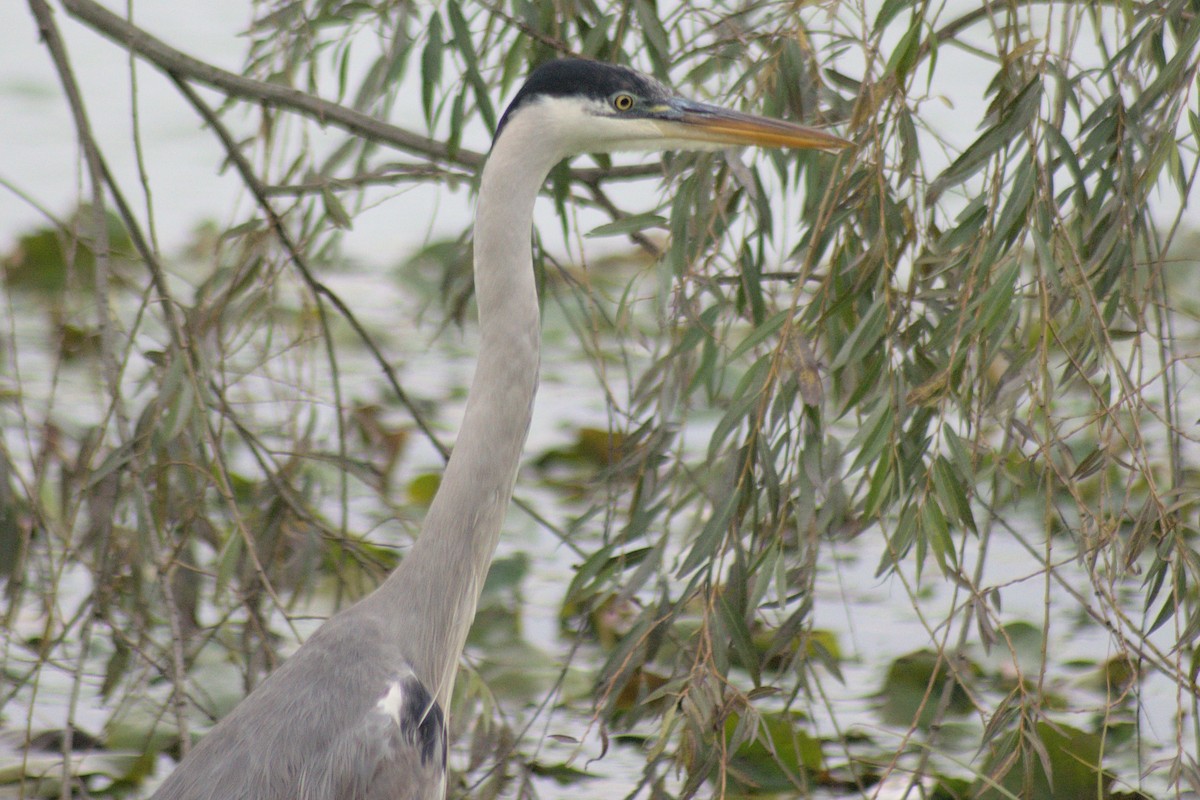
359	711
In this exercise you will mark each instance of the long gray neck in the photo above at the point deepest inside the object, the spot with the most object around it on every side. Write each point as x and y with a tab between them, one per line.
432	596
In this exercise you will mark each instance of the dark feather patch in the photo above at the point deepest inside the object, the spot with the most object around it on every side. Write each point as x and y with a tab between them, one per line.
573	77
421	721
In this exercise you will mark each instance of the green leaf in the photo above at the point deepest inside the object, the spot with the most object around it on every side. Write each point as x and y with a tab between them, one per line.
431	64
588	573
626	225
910	148
457	111
950	491
655	35
904	57
747	397
465	45
694	334
873	435
935	535
704	548
739	634
888	12
761	333
563	774
995	303
1006	132
1015	216
866	336
1172	73
879	493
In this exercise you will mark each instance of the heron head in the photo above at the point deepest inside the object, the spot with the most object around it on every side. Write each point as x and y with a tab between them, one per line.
586	106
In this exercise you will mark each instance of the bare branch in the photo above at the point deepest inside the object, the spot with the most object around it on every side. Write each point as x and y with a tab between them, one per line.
180	65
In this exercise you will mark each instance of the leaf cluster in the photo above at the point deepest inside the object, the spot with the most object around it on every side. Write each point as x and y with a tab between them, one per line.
939	348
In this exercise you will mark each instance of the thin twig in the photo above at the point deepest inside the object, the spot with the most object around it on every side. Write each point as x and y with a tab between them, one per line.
98	176
640	239
319	289
177	64
322	291
386	175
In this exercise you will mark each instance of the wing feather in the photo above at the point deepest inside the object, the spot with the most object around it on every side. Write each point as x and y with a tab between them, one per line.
364	728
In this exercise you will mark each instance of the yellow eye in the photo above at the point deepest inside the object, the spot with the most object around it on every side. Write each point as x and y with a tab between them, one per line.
623	102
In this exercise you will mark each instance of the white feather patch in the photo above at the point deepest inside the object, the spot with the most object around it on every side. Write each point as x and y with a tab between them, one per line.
393	701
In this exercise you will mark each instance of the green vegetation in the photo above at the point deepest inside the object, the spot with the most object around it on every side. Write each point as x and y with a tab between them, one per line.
899	481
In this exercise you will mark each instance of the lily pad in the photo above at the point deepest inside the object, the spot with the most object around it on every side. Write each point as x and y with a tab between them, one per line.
39	772
913	688
780	756
1072	756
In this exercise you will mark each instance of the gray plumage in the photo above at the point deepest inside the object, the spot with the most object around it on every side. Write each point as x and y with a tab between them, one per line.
335	739
358	712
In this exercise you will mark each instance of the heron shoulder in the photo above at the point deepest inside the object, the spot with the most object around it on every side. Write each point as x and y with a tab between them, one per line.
408	705
345	717
395	750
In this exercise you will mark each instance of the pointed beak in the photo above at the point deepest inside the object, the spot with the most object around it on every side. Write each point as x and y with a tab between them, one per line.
700	122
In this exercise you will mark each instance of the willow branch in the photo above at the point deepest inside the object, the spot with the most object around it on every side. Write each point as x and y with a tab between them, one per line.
182	66
179	65
319	289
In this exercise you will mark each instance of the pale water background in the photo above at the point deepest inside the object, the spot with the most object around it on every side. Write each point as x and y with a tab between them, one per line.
39	157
